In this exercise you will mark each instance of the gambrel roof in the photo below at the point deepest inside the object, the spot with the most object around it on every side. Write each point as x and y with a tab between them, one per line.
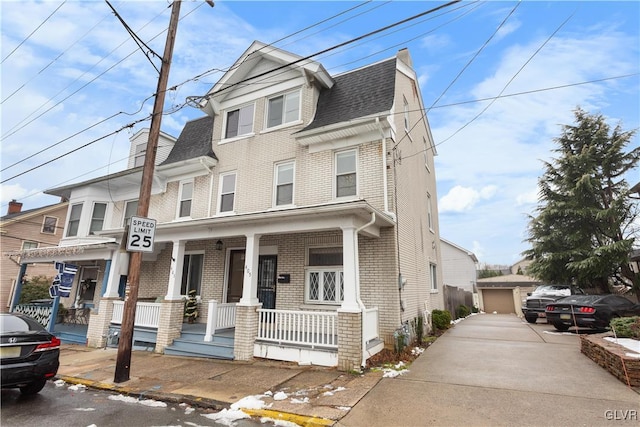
358	93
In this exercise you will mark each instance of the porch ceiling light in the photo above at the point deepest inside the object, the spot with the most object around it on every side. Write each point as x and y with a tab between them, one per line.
219	245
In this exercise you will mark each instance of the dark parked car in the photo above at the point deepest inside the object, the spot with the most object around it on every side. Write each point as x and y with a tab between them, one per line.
593	311
29	354
536	302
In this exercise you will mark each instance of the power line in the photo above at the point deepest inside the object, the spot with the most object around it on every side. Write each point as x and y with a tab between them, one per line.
33	32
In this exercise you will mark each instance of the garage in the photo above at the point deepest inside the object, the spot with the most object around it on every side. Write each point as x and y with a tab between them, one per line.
499	300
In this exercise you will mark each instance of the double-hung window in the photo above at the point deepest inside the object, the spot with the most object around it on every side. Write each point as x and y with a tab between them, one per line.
192	273
325	281
74	220
429	213
346	179
49	224
97	217
130	209
433	277
186	196
139	154
27	244
406	114
283	109
239	122
284	184
227	192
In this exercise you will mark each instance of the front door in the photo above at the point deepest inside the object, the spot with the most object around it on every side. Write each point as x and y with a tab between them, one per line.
267	281
266	278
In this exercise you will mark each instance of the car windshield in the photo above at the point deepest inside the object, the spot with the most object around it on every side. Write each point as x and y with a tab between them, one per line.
559	290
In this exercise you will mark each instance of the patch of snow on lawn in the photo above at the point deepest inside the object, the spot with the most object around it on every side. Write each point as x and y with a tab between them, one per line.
631	344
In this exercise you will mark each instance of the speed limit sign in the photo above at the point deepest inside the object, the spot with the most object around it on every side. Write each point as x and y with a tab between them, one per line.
141	234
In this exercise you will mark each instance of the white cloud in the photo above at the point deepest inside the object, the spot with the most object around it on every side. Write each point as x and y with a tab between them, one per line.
461	199
11	192
530	197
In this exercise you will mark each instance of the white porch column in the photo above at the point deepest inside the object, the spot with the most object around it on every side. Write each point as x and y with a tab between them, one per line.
175	273
350	269
119	266
250	282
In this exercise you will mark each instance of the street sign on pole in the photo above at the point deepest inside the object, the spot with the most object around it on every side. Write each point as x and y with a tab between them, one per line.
142	231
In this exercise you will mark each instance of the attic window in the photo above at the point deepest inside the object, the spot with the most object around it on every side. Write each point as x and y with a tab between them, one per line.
284	109
239	122
49	225
138	157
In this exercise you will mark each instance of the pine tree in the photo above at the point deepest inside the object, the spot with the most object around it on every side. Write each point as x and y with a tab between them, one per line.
584	229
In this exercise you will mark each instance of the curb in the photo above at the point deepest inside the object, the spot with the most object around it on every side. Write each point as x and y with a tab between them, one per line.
300	420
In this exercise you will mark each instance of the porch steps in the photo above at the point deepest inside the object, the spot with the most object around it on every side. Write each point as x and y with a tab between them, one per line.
192	344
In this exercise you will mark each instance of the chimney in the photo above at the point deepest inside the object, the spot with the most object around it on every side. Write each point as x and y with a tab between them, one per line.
14	207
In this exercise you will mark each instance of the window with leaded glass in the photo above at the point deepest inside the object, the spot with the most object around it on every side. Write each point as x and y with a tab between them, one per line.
325	279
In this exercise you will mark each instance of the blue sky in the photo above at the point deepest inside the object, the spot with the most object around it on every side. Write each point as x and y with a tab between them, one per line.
72	75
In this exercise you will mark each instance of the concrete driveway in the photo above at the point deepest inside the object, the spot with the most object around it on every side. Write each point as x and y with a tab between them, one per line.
497	370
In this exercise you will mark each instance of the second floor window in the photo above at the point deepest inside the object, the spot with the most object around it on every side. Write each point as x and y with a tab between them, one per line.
186	196
434	277
130	209
227	192
97	217
29	245
406	114
284	184
346	173
49	224
283	109
138	156
429	213
74	220
239	122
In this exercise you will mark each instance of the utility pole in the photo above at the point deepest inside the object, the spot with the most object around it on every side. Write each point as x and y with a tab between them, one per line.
123	361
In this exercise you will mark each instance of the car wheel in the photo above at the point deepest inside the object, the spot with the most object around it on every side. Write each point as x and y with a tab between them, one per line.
34	387
560	326
531	319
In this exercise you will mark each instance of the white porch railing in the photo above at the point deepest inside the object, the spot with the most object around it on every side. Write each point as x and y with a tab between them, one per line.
220	316
298	327
370	324
147	314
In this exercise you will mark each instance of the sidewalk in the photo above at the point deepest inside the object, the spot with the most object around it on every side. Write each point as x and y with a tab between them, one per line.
305	395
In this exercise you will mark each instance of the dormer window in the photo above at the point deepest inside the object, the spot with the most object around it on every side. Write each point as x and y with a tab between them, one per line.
138	156
283	109
239	122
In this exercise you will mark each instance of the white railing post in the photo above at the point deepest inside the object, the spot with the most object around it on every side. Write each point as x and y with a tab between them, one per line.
212	320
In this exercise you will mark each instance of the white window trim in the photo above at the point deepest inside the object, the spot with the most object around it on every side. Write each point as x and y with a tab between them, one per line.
429	213
139	153
283	124
124	211
201	275
427	147
68	223
405	116
224	139
235	192
55	225
274	202
335	175
104	219
181	185
307	284
433	278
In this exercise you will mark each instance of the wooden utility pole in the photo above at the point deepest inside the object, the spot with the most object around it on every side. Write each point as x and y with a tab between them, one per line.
123	361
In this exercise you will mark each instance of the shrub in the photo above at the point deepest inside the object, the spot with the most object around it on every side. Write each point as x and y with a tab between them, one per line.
35	288
462	311
441	319
626	327
401	338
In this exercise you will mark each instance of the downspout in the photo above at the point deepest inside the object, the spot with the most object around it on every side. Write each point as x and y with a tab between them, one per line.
385	190
210	170
358	300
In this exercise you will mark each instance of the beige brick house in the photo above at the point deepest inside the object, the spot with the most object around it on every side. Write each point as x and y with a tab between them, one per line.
301	208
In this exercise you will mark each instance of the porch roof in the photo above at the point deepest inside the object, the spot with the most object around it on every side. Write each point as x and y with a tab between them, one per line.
83	252
293	220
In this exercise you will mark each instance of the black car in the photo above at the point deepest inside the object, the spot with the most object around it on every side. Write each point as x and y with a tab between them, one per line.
593	311
29	354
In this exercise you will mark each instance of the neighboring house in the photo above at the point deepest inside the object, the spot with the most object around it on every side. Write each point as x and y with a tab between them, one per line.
459	275
521	266
301	208
21	230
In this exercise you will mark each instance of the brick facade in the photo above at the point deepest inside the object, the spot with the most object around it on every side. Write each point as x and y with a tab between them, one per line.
349	341
170	323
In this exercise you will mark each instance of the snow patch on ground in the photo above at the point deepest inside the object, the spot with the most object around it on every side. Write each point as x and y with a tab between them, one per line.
59	383
85	409
145	402
281	395
227	417
78	387
631	344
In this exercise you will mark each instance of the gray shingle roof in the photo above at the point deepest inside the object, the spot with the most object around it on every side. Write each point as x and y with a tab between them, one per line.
194	141
355	94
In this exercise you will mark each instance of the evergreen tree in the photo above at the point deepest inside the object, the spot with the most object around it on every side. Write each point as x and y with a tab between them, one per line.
584	229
